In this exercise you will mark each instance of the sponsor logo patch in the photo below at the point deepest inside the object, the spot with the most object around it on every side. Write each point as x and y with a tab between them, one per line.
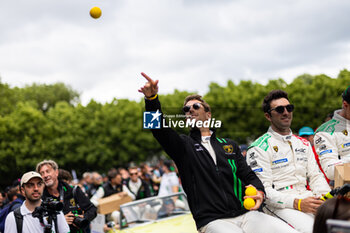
198	147
228	149
301	150
280	161
325	152
275	148
252	155
253	163
345	132
258	170
318	140
345	145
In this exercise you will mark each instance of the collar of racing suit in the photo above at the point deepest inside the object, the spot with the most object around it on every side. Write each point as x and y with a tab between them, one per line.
338	117
282	138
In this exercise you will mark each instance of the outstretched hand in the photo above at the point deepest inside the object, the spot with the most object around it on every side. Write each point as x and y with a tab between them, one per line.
150	88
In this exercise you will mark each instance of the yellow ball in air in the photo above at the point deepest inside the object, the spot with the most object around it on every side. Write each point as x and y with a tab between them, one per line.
95	12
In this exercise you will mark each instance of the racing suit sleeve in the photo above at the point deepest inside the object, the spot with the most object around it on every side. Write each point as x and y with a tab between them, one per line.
170	141
90	211
326	148
260	162
317	181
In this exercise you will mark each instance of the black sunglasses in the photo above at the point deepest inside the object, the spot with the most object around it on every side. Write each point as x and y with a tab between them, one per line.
280	109
195	106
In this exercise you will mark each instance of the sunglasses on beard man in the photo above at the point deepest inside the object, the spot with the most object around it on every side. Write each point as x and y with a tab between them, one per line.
280	109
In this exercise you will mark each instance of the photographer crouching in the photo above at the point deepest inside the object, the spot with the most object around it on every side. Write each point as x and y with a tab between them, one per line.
77	208
34	215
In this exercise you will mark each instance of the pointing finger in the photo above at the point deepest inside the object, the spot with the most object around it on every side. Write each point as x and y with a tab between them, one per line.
146	77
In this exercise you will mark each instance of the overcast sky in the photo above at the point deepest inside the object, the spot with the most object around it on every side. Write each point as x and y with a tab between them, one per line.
186	44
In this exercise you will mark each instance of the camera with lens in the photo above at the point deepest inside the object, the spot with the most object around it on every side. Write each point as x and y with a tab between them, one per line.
49	208
81	223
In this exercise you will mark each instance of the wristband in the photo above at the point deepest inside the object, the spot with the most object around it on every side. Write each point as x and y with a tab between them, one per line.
152	97
299	202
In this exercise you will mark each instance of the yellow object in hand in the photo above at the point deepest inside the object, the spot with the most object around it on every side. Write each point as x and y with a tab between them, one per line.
250	191
95	12
249	203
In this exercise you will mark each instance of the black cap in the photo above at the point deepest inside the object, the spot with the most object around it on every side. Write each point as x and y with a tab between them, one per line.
346	95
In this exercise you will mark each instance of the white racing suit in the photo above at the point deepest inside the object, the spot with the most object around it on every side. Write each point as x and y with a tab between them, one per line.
284	164
332	143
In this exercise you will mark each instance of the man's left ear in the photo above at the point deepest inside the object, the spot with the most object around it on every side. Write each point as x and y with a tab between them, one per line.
208	115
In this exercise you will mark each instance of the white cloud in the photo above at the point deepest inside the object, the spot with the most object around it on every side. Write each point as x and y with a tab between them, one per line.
185	43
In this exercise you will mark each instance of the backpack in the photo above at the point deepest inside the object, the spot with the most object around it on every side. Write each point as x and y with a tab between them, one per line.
19	219
4	212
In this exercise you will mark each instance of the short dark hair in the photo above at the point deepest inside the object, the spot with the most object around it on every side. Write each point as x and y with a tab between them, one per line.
199	98
273	95
112	173
346	95
12	193
64	175
325	211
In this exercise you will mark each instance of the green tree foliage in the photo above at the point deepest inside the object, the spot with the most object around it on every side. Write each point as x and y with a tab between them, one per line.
46	96
47	122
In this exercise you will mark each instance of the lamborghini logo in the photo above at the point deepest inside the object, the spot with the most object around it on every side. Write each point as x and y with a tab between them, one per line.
228	149
72	202
345	132
275	148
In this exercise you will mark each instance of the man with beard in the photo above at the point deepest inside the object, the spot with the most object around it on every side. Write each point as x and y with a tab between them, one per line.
32	187
76	204
284	162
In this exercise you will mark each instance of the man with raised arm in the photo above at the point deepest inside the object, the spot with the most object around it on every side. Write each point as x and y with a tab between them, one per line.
284	162
213	172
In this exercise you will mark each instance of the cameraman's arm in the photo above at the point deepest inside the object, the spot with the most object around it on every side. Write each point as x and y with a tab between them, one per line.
90	211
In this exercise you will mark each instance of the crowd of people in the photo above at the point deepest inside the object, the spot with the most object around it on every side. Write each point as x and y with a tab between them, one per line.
80	198
292	173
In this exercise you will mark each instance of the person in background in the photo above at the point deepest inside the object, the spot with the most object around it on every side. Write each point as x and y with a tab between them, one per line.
75	203
335	208
96	183
2	198
113	186
332	139
65	176
124	173
243	148
150	178
136	185
169	183
308	133
32	186
86	182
